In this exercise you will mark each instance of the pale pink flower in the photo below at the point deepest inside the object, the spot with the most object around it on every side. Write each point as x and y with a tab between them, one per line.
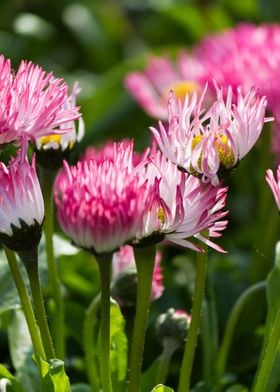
72	132
274	184
205	142
21	203
32	103
124	260
182	206
101	205
151	88
246	55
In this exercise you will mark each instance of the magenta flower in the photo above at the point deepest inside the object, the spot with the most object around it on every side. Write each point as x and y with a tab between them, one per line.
21	204
182	207
246	55
32	103
101	205
151	88
124	262
274	184
204	143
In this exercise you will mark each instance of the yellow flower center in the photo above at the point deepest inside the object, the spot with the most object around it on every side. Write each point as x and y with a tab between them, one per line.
161	215
225	153
50	138
181	88
56	139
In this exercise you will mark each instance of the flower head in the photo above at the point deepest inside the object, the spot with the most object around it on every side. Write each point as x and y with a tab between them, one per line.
125	277
181	207
151	88
101	205
32	103
274	184
51	150
204	143
21	204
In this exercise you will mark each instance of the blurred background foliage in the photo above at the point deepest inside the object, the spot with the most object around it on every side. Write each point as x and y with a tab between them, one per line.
97	42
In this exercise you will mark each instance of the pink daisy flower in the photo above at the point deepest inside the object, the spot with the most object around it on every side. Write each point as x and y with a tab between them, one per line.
204	143
32	103
182	207
124	261
274	184
21	204
151	88
101	205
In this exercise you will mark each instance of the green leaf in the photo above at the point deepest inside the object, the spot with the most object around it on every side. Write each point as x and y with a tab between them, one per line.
21	351
162	388
118	354
63	246
55	378
8	292
4	373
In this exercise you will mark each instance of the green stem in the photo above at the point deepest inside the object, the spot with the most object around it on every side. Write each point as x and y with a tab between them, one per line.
231	326
145	259
47	180
270	353
30	261
209	332
26	307
187	364
169	346
104	263
89	345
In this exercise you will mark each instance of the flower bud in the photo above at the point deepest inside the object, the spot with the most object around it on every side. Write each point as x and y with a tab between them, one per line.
173	324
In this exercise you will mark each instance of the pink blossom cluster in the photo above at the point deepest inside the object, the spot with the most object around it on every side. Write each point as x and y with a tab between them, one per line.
33	105
105	204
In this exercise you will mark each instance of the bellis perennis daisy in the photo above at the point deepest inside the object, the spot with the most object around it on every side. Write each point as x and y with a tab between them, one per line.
206	143
32	103
101	205
21	204
182	207
106	203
